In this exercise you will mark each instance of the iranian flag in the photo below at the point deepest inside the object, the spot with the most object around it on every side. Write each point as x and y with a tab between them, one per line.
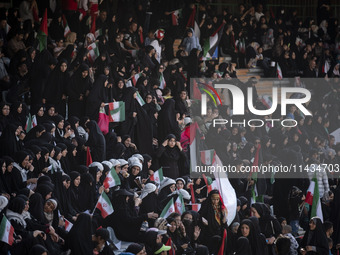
31	122
196	207
157	176
227	191
98	33
112	179
325	67
93	51
168	209
104	205
43	33
208	157
222	247
210	47
67	29
170	243
208	181
279	72
175	16
179	204
162	82
68	225
88	157
117	111
6	231
135	78
140	99
313	198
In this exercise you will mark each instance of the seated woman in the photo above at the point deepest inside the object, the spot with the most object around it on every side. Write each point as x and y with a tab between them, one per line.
178	235
315	240
248	230
215	215
125	220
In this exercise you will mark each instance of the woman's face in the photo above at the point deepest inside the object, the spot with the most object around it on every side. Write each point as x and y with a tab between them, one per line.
10	167
172	142
3	167
120	84
149	163
66	184
135	170
25	162
33	54
173	226
148	99
38	155
40	113
179	185
245	230
254	213
63	67
88	40
52	153
19	110
49	207
59	156
51	111
27	206
173	187
215	200
5	110
127	142
46	156
61	124
98	175
64	153
76	181
145	82
312	225
74	152
135	95
84	74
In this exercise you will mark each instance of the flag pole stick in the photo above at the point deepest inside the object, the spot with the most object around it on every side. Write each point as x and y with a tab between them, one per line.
96	204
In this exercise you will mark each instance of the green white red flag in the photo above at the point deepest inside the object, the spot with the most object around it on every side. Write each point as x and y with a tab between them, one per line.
104	205
168	209
140	99
162	82
112	179
179	204
31	122
67	29
6	231
117	111
43	33
93	52
208	157
68	225
313	198
157	176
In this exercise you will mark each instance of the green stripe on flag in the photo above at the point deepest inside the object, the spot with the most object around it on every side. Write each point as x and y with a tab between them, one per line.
3	227
167	209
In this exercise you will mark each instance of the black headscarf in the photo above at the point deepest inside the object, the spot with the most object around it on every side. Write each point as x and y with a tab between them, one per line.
167	123
96	142
243	246
79	238
316	237
96	97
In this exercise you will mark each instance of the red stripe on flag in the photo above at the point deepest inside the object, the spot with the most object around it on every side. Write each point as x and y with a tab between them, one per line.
102	210
221	250
88	157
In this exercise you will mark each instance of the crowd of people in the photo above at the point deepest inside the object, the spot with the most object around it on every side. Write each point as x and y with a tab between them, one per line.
56	149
